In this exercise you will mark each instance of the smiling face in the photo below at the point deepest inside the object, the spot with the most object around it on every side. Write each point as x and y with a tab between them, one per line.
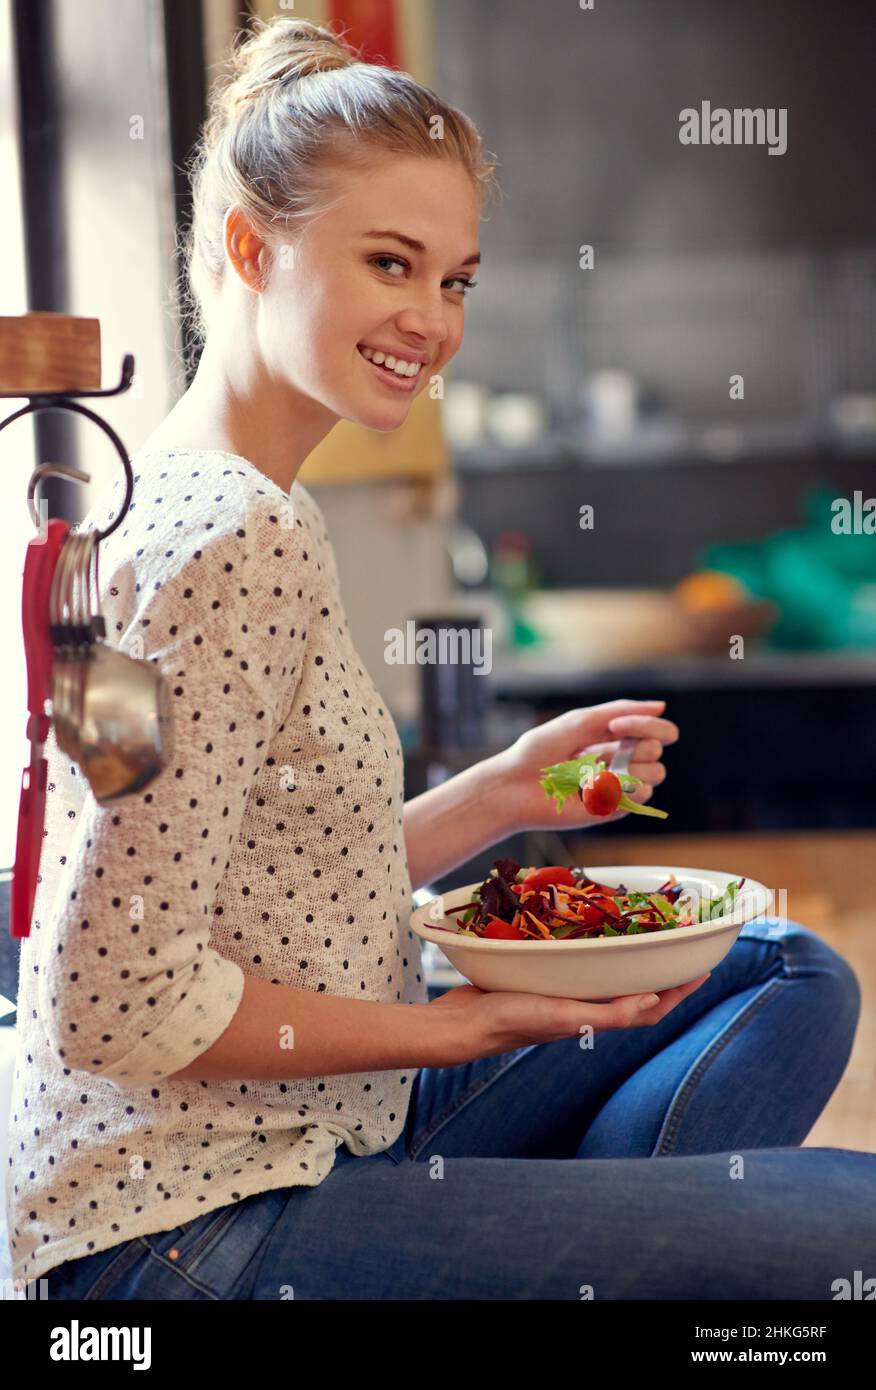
355	285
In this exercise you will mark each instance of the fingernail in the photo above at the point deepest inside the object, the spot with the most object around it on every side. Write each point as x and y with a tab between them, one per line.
648	1001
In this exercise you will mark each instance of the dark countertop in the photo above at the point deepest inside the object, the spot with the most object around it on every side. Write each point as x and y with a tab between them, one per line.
543	672
776	741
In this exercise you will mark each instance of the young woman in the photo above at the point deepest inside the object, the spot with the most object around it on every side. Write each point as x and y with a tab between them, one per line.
231	1078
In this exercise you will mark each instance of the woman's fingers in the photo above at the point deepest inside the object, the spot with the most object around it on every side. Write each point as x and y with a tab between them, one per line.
669	999
645	726
652	773
640	793
626	1010
623	1012
648	750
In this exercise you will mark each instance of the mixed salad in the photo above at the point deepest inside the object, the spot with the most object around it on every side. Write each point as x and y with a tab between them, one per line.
560	904
603	792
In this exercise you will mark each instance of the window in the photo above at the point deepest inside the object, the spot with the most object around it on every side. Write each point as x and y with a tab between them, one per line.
16	465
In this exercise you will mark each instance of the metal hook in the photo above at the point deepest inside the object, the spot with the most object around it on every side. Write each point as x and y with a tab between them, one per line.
60	400
57	470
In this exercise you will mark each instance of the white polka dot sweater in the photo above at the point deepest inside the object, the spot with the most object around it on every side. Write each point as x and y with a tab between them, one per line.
272	845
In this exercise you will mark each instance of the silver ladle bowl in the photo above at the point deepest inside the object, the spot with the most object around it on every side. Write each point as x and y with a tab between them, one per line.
112	714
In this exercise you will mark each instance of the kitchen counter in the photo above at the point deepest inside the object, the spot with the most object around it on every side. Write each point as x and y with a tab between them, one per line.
779	740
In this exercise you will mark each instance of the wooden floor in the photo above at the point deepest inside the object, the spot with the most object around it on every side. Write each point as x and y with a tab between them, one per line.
830	879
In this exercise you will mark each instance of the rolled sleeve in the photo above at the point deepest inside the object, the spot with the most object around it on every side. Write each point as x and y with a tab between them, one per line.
195	1022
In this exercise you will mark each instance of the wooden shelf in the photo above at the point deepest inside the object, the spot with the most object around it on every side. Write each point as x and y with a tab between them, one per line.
43	352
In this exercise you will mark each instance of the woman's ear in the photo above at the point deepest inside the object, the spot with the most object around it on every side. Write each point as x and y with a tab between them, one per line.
245	249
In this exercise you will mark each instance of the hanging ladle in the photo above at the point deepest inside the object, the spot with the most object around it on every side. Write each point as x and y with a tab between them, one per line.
111	712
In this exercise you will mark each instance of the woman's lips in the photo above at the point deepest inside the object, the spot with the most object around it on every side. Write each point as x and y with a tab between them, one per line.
391	378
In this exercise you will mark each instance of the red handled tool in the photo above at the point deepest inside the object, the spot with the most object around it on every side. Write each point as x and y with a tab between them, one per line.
39	568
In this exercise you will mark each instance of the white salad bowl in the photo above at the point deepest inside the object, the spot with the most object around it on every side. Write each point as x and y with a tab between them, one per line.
607	966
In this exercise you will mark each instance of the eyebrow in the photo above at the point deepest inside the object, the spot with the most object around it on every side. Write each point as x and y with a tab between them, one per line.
473	259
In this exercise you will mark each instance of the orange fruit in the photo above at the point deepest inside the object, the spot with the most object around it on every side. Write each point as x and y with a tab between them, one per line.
709	590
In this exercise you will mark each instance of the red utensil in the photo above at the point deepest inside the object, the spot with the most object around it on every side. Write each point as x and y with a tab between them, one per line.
40	561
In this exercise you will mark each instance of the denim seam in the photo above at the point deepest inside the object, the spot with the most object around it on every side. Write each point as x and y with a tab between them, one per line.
419	1143
208	1236
125	1258
680	1101
183	1274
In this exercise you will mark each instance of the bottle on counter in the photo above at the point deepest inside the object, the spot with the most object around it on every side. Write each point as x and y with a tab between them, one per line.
514	574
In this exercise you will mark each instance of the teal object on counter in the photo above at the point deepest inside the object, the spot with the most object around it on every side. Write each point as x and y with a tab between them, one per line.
515	575
522	633
822	578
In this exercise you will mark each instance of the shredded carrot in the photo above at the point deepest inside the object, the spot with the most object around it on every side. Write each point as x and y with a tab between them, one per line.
539	926
500	920
574	903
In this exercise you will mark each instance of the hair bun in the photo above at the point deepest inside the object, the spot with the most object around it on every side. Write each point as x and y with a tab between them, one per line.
281	50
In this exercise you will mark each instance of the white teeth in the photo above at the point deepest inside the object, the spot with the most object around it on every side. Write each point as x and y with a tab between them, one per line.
394	364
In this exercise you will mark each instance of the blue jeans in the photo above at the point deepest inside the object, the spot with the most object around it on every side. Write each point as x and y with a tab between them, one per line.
532	1175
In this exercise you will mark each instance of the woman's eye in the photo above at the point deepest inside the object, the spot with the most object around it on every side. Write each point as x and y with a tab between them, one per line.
394	260
466	284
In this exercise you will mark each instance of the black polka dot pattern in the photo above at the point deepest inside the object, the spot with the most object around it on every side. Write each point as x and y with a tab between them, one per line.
271	845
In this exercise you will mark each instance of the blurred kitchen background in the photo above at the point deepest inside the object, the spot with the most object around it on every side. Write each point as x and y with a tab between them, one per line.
713	570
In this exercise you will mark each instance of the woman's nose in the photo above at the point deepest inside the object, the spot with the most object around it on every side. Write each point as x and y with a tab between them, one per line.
428	322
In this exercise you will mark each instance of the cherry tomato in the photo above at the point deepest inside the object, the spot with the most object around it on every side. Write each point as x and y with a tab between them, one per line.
554	873
601	797
591	916
503	931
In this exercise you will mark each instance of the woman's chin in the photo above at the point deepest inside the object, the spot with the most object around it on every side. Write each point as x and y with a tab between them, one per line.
387	418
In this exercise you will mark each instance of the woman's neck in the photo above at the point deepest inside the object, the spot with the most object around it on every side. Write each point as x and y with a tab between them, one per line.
247	413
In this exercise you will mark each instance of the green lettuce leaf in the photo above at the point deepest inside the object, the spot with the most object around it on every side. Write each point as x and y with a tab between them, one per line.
562	780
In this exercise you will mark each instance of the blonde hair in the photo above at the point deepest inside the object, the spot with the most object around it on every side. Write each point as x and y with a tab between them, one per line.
296	104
